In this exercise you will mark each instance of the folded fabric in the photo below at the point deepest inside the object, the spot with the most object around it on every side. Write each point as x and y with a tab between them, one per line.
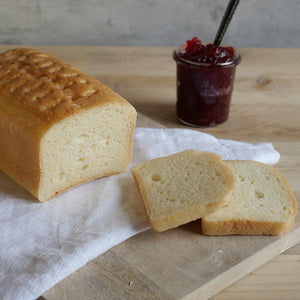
42	243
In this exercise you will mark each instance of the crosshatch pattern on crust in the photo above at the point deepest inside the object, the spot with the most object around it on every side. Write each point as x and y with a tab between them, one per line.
46	86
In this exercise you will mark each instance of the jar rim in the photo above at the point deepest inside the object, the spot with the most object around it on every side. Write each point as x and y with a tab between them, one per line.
234	62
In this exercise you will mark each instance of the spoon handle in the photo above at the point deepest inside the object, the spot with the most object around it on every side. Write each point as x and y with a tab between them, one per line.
230	9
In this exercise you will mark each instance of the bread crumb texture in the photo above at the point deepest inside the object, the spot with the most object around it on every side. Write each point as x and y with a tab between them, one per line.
182	187
88	145
262	203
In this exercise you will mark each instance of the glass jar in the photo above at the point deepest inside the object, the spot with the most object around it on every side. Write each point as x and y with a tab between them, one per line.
204	90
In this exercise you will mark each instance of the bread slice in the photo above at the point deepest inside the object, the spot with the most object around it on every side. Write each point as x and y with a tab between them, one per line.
183	187
262	203
59	127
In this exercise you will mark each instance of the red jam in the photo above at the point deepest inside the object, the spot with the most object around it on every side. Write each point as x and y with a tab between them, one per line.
207	53
205	77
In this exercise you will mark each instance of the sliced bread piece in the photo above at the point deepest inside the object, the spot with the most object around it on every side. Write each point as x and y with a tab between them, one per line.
262	203
183	187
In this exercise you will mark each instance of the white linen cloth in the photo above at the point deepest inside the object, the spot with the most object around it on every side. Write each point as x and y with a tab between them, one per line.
42	243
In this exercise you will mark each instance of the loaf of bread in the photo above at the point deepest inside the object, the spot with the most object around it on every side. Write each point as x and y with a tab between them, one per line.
183	187
58	126
262	203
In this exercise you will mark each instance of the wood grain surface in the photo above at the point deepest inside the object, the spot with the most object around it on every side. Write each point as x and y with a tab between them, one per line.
182	263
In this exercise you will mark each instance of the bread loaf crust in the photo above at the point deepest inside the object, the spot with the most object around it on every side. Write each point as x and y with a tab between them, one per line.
19	154
245	227
47	87
42	98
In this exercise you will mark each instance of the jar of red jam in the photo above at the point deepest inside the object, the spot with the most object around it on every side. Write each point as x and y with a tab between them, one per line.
205	78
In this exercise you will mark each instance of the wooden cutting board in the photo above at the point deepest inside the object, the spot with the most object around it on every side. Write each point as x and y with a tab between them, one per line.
177	264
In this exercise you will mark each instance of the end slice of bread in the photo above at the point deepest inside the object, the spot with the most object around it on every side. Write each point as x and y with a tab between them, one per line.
183	187
262	203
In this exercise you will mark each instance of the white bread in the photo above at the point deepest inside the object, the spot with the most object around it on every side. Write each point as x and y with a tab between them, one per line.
58	126
182	187
262	203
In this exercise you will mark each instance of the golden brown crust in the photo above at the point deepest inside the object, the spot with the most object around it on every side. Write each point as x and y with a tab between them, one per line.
47	87
185	215
244	227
